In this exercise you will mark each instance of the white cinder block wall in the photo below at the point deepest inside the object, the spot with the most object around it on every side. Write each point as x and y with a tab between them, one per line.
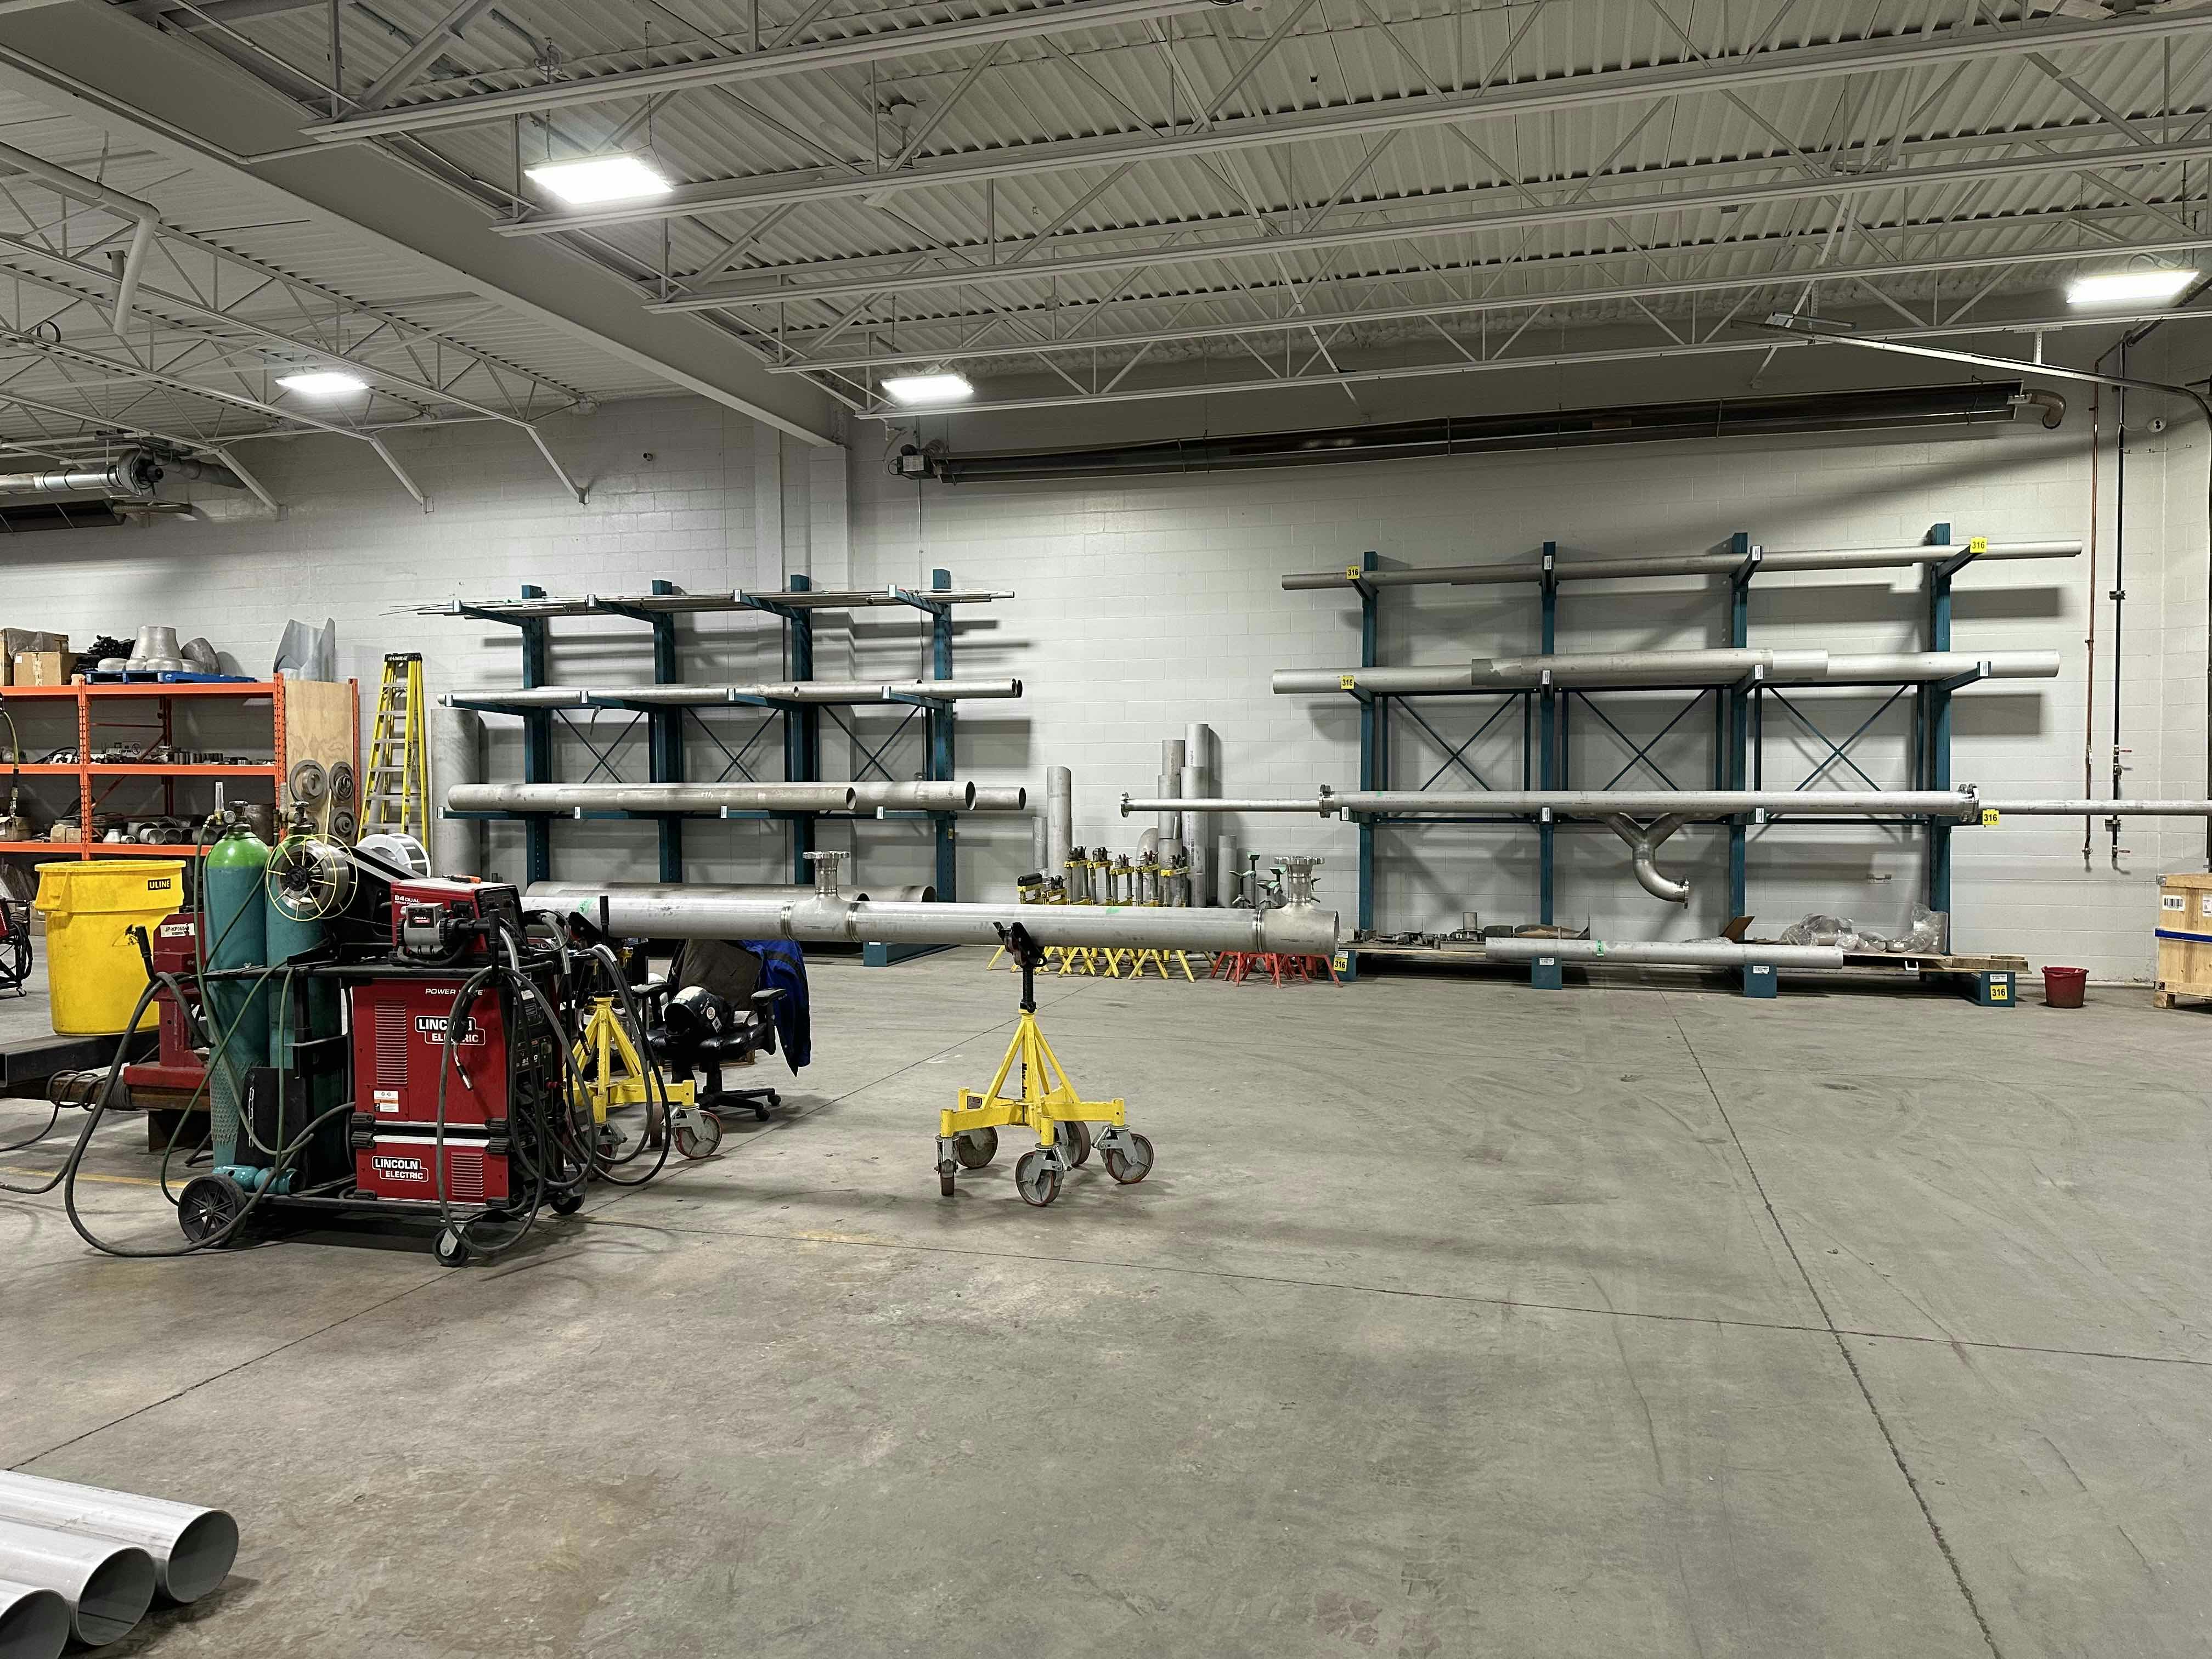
1148	602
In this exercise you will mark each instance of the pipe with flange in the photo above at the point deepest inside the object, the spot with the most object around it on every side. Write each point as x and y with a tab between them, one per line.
1717	953
650	797
34	1621
695	913
107	1584
1644	842
193	1547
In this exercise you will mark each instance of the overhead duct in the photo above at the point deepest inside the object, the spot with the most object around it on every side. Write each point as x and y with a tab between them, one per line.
87	496
1887	408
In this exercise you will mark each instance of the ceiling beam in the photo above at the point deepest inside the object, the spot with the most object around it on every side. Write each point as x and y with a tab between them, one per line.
779	285
1779	276
768	62
98	65
1732	74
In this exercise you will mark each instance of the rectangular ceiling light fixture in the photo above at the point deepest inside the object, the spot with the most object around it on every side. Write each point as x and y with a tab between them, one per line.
916	389
2119	287
323	383
593	178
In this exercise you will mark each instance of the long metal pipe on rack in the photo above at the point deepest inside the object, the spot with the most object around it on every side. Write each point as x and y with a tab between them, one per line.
1693	954
709	696
1304	930
1628	670
1960	804
649	798
1694	564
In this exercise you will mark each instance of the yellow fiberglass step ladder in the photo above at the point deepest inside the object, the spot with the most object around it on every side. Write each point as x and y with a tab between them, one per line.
398	798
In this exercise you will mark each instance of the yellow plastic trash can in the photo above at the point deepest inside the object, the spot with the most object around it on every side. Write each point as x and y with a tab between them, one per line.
93	971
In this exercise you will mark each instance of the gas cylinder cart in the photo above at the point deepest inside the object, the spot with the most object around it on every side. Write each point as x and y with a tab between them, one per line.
968	1134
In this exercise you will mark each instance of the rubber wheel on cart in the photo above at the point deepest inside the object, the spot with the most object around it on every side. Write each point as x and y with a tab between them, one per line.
450	1247
568	1203
1037	1178
1073	1136
209	1204
700	1136
975	1148
1132	1166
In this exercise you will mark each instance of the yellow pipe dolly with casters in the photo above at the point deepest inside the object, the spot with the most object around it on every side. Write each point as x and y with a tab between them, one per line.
614	1077
968	1134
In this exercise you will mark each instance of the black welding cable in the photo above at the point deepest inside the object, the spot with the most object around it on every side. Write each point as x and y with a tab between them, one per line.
53	1117
603	1167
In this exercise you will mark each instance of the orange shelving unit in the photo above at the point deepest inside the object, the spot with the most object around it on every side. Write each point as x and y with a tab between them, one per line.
307	719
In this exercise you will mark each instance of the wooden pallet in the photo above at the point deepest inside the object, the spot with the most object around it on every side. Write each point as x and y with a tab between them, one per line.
1936	963
2171	996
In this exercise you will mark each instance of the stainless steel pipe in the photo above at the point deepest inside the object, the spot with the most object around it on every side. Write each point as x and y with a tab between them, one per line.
107	1585
1411	681
1632	668
34	1622
699	696
1697	954
1694	564
915	797
1961	803
766	892
193	1547
1058	820
1644	842
651	797
695	913
456	845
2090	807
1001	798
1890	667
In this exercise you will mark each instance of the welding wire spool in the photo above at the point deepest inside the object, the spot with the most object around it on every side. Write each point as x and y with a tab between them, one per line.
34	1622
343	783
309	878
308	782
344	826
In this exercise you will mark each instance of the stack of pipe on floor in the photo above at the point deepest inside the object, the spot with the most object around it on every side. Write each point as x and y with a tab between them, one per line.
85	1562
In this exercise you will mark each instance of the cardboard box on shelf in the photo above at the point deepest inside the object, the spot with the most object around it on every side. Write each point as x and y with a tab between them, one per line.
39	668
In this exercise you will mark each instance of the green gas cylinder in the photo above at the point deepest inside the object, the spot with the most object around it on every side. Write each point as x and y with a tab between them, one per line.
236	936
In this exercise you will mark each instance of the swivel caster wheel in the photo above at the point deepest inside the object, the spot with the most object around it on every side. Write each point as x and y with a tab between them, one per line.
1072	1137
700	1136
209	1204
761	1108
1037	1177
975	1148
1130	1161
451	1249
566	1203
945	1187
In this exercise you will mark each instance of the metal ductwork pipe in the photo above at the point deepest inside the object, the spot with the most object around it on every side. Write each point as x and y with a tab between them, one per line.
1700	954
915	797
1644	842
1058	821
1693	564
1001	798
456	845
130	474
651	797
696	913
107	1585
34	1622
193	1548
197	471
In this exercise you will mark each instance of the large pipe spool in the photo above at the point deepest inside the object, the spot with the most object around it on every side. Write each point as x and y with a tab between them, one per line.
193	1548
696	913
1696	954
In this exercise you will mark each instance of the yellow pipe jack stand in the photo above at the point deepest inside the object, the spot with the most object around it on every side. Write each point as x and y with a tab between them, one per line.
968	1134
615	1077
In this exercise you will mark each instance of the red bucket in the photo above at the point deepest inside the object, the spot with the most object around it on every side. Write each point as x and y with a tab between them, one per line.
2062	987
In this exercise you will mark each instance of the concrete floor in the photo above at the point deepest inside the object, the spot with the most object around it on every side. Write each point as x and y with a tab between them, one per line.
1458	1318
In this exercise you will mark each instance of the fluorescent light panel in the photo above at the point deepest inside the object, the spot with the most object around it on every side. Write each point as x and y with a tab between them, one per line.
594	179
323	383
910	389
2118	287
